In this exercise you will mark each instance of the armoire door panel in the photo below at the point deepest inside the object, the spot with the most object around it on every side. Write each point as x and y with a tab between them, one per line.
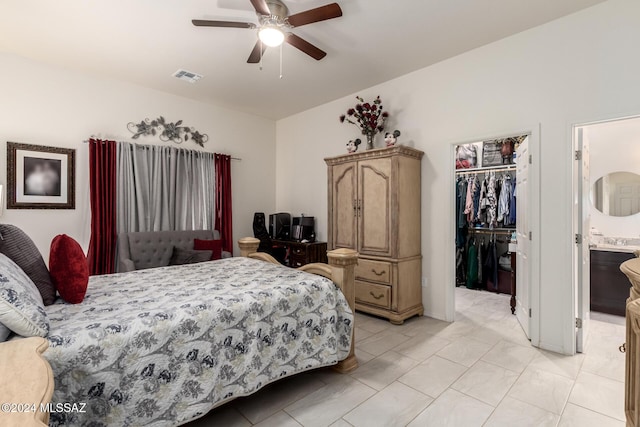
344	205
374	185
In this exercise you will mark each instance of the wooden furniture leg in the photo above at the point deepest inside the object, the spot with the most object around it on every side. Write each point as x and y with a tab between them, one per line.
631	269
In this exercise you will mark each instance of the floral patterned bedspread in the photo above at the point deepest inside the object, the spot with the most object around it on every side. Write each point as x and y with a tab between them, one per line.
163	346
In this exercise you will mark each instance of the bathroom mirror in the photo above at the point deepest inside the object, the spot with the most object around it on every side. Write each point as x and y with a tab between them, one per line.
617	194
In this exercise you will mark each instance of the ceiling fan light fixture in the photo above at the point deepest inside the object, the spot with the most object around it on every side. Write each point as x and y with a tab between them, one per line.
271	36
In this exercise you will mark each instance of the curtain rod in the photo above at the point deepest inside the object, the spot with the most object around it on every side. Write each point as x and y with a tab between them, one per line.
86	141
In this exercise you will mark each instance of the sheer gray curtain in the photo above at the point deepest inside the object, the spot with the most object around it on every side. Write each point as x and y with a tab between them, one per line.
164	188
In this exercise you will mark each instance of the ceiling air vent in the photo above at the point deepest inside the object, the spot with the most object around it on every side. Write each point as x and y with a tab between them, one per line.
187	76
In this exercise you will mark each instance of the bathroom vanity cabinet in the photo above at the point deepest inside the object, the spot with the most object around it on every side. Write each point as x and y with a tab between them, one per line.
609	286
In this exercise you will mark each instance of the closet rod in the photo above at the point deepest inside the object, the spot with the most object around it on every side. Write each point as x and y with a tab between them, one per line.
494	231
476	171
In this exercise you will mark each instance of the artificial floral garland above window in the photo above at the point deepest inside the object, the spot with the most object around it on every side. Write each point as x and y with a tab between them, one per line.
167	131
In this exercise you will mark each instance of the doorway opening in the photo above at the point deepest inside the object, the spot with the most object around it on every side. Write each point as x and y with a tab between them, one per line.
606	183
496	212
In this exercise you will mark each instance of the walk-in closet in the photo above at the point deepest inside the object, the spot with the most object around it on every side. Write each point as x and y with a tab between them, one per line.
487	190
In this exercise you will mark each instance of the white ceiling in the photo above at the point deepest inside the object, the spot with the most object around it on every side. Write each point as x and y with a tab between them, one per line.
146	41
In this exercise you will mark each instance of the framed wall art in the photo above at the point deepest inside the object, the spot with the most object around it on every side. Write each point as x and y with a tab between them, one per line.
40	177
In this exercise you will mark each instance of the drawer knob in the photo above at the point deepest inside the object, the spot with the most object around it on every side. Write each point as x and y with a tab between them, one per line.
373	270
374	295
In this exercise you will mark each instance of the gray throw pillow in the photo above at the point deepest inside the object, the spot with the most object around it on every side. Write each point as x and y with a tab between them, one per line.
4	332
16	245
186	256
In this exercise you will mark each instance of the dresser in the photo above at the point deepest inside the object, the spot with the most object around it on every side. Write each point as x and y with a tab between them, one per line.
374	207
299	254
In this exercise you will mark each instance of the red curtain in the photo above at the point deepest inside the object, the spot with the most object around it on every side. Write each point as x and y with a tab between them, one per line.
223	201
102	172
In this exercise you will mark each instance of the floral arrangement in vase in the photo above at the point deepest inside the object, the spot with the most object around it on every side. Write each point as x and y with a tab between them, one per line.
368	116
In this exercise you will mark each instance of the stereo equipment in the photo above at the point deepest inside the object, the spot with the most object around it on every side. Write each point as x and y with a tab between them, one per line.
303	228
280	225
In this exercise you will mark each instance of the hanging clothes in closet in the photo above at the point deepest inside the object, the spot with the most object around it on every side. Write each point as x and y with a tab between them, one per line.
491	266
469	207
484	200
492	202
504	202
512	208
461	230
461	219
472	262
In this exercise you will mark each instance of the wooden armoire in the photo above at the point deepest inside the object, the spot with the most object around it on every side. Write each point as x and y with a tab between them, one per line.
374	208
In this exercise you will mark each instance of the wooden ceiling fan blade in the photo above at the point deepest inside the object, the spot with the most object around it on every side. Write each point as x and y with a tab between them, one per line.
306	47
224	24
318	14
261	7
254	58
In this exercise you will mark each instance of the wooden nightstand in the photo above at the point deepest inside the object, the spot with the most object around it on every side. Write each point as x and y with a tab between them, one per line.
26	379
299	254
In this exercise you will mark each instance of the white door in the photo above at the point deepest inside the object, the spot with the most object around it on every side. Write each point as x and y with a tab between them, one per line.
582	223
523	303
626	199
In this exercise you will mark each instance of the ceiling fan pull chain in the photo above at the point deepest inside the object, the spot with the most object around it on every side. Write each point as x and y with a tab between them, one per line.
281	61
261	50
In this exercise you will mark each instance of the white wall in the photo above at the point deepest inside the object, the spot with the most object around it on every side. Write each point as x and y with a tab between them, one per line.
577	69
614	147
52	106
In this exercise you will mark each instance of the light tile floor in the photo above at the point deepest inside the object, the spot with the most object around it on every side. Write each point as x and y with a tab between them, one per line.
478	371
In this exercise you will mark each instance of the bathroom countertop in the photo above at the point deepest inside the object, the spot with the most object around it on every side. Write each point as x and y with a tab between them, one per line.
614	248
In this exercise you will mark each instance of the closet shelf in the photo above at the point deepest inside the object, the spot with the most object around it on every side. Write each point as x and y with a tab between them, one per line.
486	169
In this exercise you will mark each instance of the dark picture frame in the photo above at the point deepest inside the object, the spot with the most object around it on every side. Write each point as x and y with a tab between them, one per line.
40	177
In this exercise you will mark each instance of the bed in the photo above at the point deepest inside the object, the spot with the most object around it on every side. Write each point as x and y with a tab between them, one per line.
164	346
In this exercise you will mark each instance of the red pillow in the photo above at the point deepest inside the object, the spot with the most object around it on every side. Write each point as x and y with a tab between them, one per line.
68	268
209	245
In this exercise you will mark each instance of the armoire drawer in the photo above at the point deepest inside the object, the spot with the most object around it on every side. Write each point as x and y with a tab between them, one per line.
376	271
374	294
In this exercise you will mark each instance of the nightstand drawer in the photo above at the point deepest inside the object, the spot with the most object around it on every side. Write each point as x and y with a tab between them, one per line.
376	271
299	251
374	294
297	261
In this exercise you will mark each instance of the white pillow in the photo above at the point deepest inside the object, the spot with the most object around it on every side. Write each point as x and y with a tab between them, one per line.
21	307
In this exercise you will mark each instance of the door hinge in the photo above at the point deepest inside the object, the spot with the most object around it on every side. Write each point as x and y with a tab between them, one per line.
578	239
578	155
529	312
530	159
578	323
530	235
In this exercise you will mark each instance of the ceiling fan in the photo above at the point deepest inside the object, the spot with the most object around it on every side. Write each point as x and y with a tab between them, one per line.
274	25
